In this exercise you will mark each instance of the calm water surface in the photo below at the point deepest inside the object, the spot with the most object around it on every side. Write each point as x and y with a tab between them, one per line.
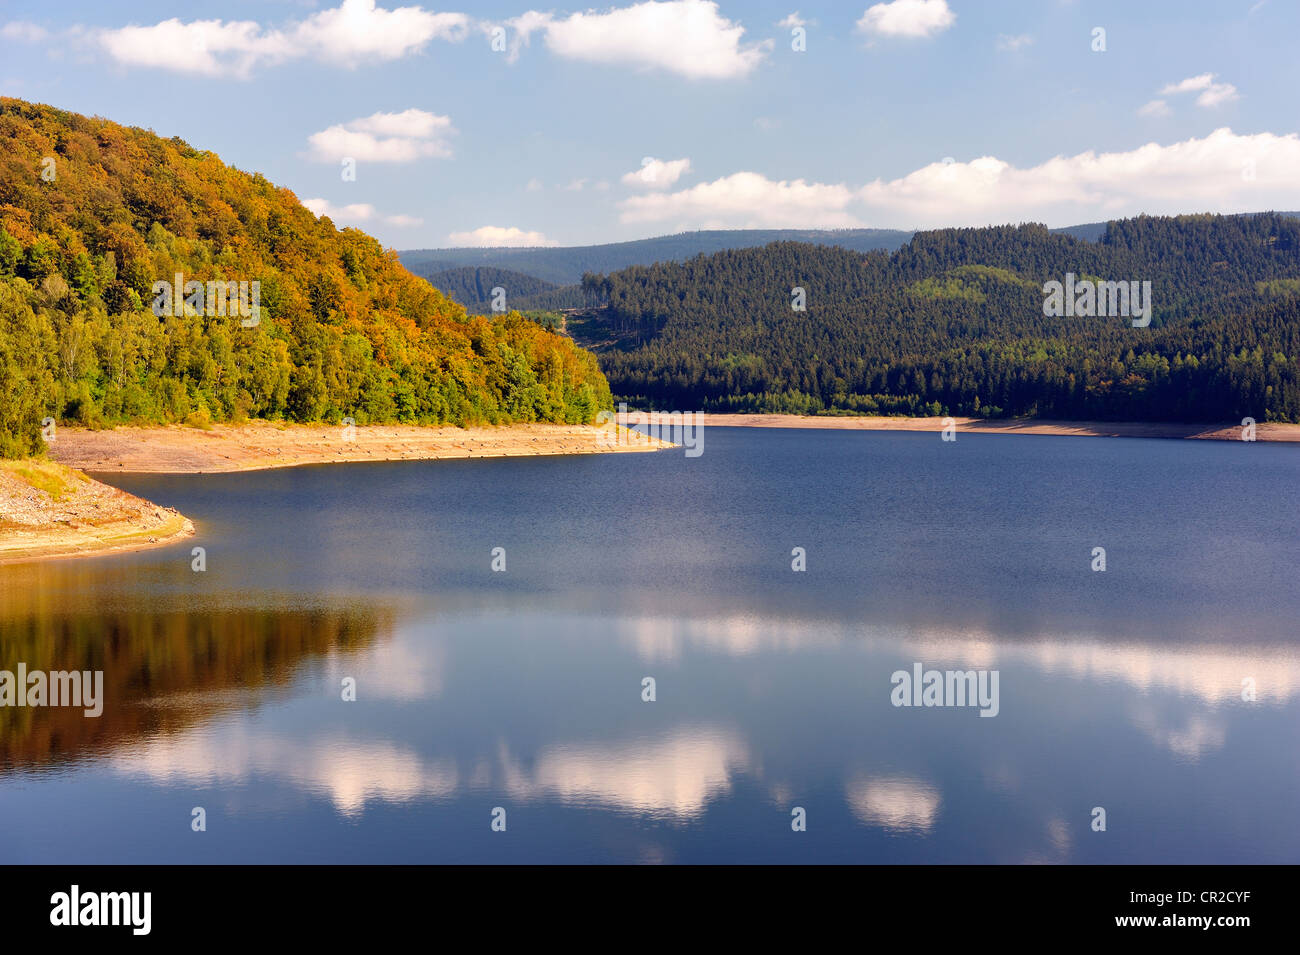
523	689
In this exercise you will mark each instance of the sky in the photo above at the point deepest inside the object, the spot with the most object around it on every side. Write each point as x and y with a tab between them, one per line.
511	123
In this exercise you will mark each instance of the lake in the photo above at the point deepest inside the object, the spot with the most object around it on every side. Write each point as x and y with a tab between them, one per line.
1164	690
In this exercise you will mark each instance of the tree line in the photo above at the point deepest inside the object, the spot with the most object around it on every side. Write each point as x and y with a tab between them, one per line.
953	323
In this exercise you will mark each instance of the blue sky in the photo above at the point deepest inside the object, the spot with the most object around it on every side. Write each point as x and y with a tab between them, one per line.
916	113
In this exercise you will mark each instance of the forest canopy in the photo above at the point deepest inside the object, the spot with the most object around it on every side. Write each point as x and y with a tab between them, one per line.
954	323
93	214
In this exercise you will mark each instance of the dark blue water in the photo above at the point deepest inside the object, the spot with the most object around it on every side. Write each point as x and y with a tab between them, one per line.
522	690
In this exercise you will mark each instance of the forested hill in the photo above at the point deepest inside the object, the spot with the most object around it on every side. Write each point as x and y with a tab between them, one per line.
566	265
954	323
473	287
93	215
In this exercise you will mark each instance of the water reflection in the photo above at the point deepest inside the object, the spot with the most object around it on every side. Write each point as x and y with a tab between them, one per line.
895	803
1189	736
1211	671
522	690
349	772
244	698
163	671
676	777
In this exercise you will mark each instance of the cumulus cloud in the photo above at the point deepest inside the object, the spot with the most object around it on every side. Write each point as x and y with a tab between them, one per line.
384	137
23	32
657	173
1212	91
1222	172
491	235
1157	107
1208	174
907	18
746	200
323	207
791	21
206	47
355	32
1010	44
687	37
359	213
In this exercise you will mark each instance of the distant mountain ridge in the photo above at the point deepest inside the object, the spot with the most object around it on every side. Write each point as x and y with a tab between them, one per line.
472	286
565	265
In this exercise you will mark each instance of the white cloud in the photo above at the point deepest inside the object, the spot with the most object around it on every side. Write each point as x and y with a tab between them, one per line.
1010	44
657	173
1199	174
524	26
791	21
1212	91
687	37
356	31
907	18
1216	94
1189	85
23	32
323	207
206	47
1222	172
384	137
359	213
1157	107
575	185
534	185
492	235
746	200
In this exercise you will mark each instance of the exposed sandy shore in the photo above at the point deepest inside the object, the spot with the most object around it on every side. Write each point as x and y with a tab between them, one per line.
1122	429
48	510
259	445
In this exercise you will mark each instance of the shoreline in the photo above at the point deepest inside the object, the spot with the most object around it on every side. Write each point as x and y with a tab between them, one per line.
258	446
49	512
50	509
1271	432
